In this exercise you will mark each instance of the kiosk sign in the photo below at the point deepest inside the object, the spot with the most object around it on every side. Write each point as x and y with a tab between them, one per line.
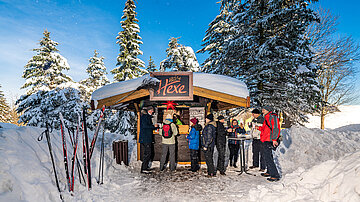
172	86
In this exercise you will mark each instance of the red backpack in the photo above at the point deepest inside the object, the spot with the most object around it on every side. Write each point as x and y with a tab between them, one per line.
166	131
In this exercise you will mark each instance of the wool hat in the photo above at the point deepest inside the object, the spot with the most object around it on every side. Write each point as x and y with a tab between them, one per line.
210	117
194	121
150	108
220	117
268	108
256	111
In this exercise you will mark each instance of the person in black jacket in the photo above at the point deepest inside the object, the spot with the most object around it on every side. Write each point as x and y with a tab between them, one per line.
221	144
208	137
146	136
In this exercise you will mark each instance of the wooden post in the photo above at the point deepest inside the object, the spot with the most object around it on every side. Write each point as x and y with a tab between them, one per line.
248	101
138	129
208	108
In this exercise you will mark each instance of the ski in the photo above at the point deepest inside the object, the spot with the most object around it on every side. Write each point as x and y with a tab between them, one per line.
88	166
101	164
93	141
62	125
47	135
75	144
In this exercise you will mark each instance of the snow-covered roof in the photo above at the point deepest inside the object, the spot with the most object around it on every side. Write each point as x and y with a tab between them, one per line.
214	82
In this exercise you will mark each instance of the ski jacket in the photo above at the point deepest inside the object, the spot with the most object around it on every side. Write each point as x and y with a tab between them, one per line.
208	135
238	130
174	130
270	129
194	137
146	129
220	133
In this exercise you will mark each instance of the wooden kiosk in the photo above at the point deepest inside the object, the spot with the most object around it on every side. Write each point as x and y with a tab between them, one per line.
185	94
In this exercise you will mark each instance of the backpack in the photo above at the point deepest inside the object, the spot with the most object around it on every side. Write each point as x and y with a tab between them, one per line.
279	139
166	131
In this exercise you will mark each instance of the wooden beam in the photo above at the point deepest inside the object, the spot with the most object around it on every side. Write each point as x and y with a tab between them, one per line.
121	98
214	95
138	129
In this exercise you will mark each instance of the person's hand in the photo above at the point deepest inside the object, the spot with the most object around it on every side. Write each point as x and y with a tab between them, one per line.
229	130
204	148
156	125
275	143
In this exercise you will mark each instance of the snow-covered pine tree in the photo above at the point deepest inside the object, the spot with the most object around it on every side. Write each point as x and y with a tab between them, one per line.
270	53
216	37
151	66
44	106
4	108
129	66
179	58
97	75
44	70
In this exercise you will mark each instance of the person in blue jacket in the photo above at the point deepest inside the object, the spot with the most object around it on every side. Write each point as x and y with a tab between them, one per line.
146	136
194	139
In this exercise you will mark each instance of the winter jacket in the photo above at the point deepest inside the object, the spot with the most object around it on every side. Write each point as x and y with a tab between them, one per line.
270	133
220	133
174	130
238	130
256	122
208	135
146	129
194	137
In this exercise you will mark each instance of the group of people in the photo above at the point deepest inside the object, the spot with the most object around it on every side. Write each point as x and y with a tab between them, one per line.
264	128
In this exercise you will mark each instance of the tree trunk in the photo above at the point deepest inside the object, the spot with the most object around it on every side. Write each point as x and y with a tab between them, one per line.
322	117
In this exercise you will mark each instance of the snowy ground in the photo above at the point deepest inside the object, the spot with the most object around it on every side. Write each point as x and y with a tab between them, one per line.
316	165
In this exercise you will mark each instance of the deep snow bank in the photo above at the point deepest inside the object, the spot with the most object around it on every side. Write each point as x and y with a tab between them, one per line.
304	147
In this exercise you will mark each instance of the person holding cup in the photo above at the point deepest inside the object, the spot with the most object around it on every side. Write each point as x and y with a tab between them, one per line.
233	131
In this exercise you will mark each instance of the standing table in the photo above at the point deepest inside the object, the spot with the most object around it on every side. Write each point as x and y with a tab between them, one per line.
242	153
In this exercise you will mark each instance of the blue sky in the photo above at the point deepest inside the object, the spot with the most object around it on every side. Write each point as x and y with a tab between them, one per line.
81	26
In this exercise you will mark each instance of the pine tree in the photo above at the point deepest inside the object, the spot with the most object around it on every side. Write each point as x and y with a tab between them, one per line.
151	66
216	37
4	108
97	75
179	58
129	66
269	52
44	106
44	70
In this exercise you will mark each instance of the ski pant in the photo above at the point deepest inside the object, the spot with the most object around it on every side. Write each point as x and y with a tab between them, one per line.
234	152
258	156
194	156
165	149
209	160
146	155
220	146
270	164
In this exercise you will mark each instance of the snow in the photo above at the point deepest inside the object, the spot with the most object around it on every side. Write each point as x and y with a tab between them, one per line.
349	114
315	165
219	83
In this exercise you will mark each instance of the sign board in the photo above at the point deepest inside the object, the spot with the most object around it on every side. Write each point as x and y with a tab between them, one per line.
199	113
172	86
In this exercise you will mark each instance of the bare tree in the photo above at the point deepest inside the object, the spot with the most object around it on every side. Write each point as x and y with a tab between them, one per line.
336	56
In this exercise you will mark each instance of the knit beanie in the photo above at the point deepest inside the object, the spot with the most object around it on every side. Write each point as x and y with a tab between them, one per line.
194	121
210	117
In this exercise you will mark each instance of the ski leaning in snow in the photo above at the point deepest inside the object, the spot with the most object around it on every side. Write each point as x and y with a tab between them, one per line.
87	151
102	155
62	125
93	141
75	144
47	135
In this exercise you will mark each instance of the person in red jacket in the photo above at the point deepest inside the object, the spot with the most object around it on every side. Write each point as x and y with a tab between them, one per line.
270	131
